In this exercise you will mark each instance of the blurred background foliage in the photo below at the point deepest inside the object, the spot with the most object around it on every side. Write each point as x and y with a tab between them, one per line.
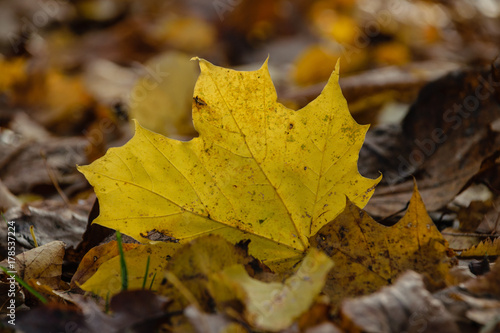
71	64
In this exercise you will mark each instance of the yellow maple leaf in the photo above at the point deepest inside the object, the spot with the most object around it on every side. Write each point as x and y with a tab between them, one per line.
257	171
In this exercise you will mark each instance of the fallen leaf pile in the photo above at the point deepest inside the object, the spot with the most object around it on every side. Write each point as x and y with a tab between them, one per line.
252	219
257	176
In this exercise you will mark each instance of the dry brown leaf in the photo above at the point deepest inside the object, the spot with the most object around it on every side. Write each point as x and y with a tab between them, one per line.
138	310
490	222
7	199
405	306
52	220
27	165
457	240
444	140
43	264
476	301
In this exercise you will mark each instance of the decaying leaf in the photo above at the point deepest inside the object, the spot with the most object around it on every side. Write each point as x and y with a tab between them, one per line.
405	306
444	139
373	255
257	171
273	306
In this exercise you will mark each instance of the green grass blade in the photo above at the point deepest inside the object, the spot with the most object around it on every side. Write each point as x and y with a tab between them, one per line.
153	280
123	265
25	285
146	275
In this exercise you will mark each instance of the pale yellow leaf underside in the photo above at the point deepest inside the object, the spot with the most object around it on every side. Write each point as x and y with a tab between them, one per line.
258	170
275	306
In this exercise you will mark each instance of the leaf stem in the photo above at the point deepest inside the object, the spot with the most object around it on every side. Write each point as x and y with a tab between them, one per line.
32	231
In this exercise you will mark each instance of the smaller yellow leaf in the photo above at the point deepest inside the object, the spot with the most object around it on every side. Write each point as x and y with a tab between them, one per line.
485	248
195	262
94	259
274	306
107	279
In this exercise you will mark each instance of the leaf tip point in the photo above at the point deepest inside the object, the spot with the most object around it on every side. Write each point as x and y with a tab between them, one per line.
81	168
137	126
265	65
415	187
416	194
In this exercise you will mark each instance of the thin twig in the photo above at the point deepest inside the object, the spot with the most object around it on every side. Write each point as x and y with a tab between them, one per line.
53	178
